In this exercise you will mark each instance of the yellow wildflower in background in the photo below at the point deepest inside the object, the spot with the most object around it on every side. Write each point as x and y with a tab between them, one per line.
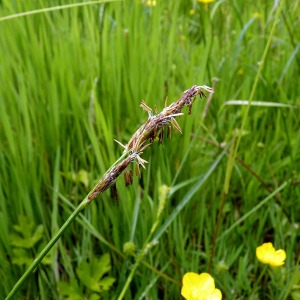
267	254
256	15
199	287
240	72
150	2
206	2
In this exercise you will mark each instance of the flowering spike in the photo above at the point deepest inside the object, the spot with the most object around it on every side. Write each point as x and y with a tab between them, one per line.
147	133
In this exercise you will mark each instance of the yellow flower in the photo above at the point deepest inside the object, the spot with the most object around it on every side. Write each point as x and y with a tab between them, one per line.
240	72
205	1
256	15
267	254
199	287
150	2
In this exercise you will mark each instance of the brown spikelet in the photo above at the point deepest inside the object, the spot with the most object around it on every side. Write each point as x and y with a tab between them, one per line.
137	170
114	192
161	137
169	135
128	177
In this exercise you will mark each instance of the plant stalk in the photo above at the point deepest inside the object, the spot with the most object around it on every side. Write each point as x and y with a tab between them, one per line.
47	248
144	137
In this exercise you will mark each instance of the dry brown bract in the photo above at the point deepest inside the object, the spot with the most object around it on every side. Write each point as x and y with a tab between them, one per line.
148	132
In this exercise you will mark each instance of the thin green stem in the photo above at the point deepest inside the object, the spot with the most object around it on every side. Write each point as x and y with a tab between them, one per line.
261	65
163	275
234	148
258	280
47	248
54	239
48	9
140	257
226	184
130	276
254	209
132	150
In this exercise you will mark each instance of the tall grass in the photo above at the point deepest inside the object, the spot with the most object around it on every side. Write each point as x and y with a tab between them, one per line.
72	80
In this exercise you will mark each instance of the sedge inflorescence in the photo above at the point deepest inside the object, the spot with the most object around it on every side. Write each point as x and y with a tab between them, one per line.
145	136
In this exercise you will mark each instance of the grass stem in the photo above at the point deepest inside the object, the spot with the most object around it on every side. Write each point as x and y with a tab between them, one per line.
47	248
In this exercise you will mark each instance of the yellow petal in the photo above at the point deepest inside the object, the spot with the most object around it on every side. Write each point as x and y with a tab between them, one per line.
197	287
206	1
207	282
266	254
149	2
191	284
279	258
216	295
256	15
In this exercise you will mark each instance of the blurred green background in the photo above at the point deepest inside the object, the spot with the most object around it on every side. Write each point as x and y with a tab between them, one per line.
71	81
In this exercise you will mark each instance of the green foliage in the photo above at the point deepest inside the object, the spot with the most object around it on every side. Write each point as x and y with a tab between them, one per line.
295	291
28	234
71	290
25	240
82	176
92	275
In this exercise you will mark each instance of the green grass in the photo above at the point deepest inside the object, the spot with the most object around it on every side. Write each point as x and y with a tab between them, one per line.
71	81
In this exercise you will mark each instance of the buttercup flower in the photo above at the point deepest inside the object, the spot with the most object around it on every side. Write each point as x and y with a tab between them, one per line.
267	254
205	1
150	2
199	287
256	15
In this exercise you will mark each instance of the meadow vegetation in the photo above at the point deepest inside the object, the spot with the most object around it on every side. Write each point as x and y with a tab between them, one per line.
72	80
